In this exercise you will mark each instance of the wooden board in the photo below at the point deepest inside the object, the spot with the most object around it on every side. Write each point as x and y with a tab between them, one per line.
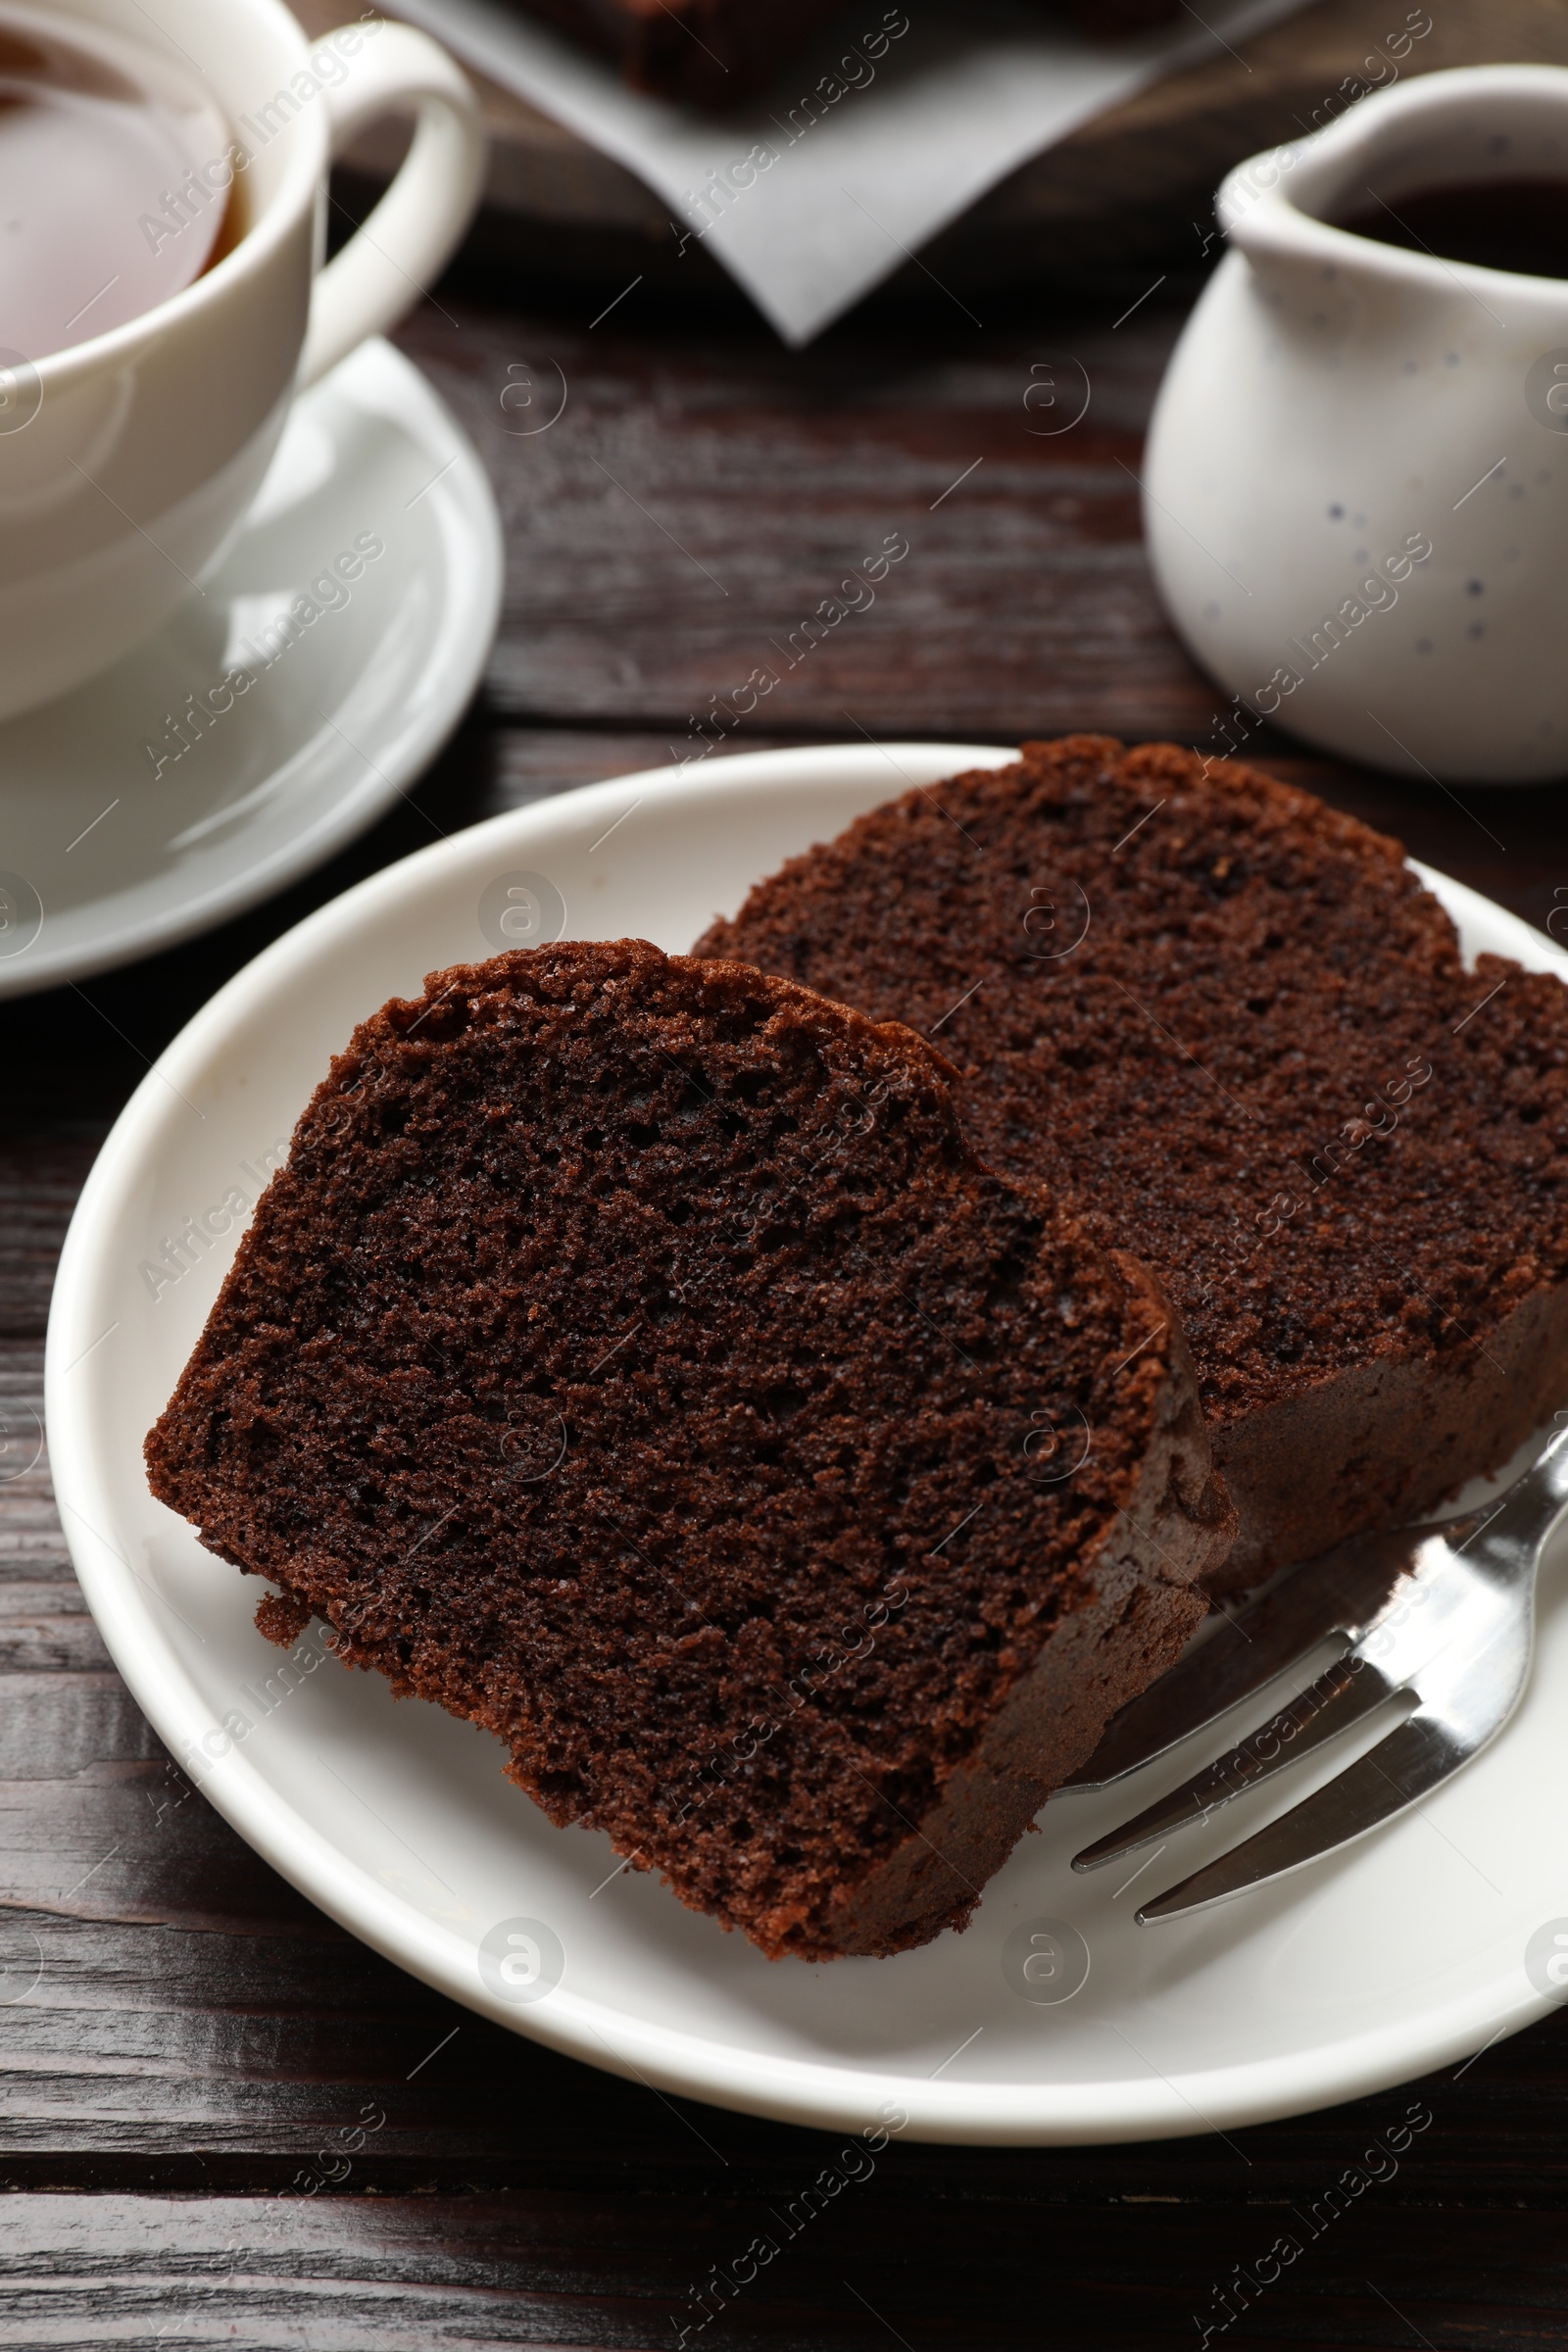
1134	186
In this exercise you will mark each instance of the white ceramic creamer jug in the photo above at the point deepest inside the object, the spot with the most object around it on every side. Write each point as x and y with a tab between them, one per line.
1356	482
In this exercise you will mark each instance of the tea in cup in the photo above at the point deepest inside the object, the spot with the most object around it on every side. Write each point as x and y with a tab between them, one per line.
161	192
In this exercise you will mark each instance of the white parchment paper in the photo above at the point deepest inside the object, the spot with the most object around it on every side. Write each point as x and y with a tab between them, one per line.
876	137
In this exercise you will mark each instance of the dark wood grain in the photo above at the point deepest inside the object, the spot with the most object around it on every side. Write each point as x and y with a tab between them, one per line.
225	2122
554	2267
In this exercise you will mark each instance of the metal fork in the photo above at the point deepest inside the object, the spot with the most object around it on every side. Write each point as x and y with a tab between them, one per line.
1442	1616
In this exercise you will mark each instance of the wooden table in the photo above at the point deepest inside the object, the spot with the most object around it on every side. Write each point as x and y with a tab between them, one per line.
226	2123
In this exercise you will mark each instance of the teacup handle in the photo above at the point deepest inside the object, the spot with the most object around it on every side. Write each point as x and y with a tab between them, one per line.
389	261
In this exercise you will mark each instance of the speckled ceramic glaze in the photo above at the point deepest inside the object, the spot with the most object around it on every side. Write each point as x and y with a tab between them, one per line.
1356	485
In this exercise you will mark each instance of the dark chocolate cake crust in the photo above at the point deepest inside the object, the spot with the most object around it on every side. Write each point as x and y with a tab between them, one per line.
1237	1035
634	1357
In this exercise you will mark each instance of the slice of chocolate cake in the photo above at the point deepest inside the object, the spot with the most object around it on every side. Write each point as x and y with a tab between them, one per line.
1237	1035
634	1357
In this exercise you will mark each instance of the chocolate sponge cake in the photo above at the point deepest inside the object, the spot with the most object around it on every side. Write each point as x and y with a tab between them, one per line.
1237	1035
634	1357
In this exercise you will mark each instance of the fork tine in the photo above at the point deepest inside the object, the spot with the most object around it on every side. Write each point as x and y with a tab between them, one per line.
1337	1593
1399	1772
1262	1641
1349	1691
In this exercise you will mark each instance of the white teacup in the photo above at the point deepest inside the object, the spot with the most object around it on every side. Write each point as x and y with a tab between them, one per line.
1356	494
127	462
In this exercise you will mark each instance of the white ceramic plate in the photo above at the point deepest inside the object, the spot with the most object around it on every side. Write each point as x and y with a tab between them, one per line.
1370	1968
116	841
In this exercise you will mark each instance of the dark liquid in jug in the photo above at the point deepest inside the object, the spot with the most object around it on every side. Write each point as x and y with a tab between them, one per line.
1499	223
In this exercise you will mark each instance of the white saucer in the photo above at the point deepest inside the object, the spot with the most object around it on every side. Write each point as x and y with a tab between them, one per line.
109	856
1370	1968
